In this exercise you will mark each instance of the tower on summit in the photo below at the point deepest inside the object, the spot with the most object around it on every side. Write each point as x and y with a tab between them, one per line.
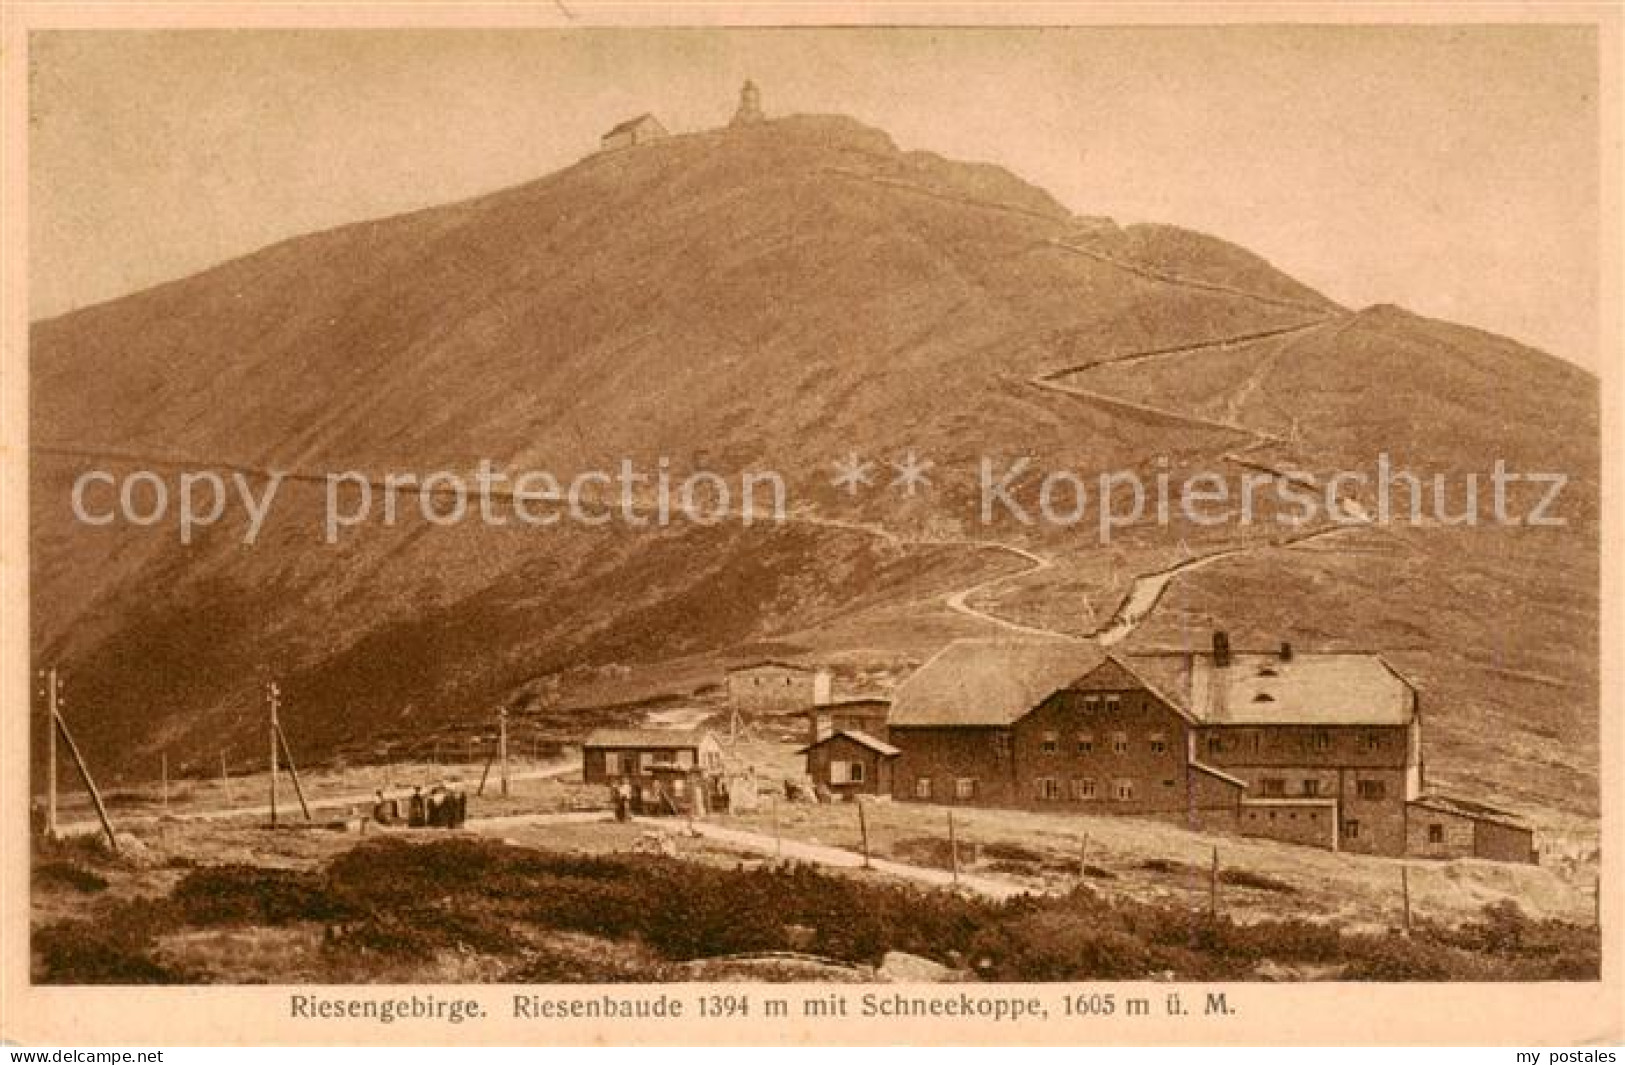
750	105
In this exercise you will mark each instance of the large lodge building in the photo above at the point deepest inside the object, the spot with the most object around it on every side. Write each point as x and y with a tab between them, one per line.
1320	749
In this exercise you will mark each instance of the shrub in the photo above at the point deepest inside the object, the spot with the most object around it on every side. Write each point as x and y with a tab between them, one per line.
67	874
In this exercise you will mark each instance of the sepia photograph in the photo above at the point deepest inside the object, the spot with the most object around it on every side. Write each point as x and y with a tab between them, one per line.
1020	519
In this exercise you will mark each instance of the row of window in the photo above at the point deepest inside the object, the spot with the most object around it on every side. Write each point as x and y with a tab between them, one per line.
1084	743
1310	787
1049	789
964	788
1251	740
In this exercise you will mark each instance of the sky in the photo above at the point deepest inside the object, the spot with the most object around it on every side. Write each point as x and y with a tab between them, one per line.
1450	170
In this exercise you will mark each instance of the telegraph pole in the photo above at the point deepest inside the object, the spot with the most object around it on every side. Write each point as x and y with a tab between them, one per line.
272	694
53	696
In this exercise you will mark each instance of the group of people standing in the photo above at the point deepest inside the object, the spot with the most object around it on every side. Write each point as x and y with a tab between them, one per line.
442	806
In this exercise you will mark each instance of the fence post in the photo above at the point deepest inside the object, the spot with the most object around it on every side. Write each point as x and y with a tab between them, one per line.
1213	888
1405	894
863	831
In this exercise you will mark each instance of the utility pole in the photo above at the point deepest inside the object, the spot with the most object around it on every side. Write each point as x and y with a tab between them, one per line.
502	746
90	784
53	696
863	830
293	771
953	846
272	694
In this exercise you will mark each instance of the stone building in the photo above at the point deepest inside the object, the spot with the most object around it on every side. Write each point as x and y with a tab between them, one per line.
749	111
774	687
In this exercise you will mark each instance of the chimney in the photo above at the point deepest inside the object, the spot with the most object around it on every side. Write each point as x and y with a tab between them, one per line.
1221	648
1286	651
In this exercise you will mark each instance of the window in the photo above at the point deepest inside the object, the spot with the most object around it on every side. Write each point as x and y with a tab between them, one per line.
1052	743
1086	742
854	772
1120	743
1311	788
1351	830
1435	833
1001	743
1123	790
1049	788
1159	743
1083	789
1168	783
1113	701
1320	741
922	788
838	772
1272	787
1371	789
1373	741
1215	745
1091	702
965	788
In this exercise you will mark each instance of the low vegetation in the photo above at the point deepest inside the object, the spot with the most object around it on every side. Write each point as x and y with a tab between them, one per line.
389	906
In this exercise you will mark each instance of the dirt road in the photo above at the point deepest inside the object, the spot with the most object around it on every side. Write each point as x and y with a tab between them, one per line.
289	809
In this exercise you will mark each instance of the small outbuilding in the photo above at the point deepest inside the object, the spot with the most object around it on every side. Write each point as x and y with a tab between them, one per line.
633	132
865	714
850	763
1437	826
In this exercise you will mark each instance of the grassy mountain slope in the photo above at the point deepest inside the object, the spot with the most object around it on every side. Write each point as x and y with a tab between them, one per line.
771	297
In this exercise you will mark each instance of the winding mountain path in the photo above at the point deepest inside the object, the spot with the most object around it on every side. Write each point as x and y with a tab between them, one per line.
1146	590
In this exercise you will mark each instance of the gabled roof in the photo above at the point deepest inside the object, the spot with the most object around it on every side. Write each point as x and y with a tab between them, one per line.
854	702
633	122
773	663
989	682
1265	689
645	738
863	739
1463	808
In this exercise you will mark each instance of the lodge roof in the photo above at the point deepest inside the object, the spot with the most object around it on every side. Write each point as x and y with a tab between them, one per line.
1266	689
996	682
989	682
863	739
653	739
